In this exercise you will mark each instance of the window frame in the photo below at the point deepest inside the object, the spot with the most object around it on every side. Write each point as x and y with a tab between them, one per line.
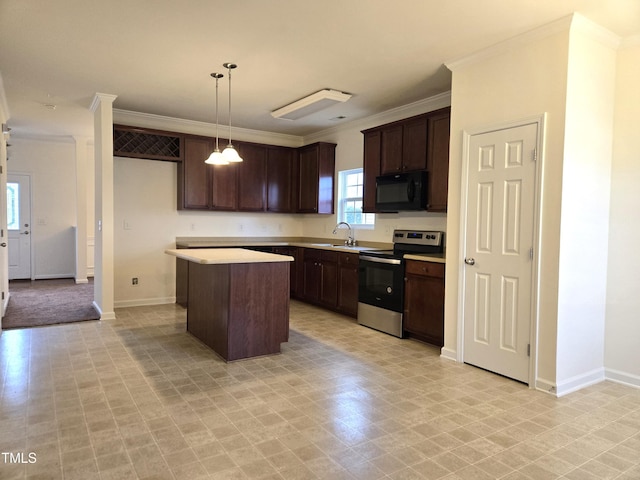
343	199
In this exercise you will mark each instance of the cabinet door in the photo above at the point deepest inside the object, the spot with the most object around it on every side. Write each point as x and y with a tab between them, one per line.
312	275
279	179
329	285
194	180
224	193
308	180
252	177
371	170
348	284
438	161
414	145
424	302
391	149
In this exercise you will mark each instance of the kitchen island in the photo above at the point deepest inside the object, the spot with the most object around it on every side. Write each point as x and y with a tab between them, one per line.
238	300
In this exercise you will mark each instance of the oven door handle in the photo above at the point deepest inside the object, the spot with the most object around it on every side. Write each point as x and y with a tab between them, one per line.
388	261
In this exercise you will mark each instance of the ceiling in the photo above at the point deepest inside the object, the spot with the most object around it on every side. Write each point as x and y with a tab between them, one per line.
157	56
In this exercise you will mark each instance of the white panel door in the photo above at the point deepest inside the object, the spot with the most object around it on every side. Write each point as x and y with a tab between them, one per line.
499	241
19	225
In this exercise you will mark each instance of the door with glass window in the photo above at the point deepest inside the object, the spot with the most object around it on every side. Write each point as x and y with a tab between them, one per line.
19	225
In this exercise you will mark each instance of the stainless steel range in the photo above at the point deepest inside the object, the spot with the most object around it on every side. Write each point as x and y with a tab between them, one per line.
381	279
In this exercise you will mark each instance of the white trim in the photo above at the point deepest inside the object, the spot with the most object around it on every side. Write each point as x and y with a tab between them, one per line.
449	354
540	122
5	114
430	104
546	386
579	382
595	31
622	377
159	122
103	315
142	302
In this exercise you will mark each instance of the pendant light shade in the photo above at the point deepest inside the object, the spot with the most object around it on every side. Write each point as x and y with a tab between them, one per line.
230	153
216	157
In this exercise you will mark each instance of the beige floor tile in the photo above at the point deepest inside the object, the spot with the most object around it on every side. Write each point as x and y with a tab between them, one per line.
138	397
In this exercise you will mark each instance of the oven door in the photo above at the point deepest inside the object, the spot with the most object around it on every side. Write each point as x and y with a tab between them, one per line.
381	282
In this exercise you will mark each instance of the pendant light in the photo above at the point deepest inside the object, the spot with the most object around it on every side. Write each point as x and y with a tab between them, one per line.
230	153
216	157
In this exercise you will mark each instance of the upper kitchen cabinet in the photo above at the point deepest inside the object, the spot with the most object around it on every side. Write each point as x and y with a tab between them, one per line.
404	146
413	144
252	174
439	127
194	176
147	143
316	172
280	179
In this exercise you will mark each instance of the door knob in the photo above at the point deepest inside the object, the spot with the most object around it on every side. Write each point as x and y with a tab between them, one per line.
3	244
470	261
24	233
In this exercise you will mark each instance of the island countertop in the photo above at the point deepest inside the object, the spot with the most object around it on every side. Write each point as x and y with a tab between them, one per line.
227	256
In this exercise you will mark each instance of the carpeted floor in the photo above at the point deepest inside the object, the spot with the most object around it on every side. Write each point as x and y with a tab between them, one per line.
48	302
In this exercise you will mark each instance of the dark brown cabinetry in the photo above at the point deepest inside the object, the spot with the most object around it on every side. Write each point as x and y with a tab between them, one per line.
280	176
271	178
438	160
330	279
316	172
424	301
147	143
294	267
252	175
416	143
348	283
194	176
404	146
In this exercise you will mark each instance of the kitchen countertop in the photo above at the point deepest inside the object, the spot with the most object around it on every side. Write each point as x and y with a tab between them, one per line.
426	257
320	244
227	256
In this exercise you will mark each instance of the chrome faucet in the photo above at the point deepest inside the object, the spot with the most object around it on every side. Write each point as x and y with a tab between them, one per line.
350	241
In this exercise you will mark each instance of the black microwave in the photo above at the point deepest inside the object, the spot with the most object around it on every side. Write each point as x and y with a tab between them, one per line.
401	191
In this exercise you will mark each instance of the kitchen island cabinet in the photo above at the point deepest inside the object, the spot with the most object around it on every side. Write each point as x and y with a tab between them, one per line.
238	300
424	301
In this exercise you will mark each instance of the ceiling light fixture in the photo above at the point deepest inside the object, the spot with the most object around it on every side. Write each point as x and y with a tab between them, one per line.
216	157
230	153
311	104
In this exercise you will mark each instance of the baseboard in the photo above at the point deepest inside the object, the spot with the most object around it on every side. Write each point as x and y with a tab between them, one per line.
54	276
622	377
448	354
81	281
546	386
104	315
580	381
142	302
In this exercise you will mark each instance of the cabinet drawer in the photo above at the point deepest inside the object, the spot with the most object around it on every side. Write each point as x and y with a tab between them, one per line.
330	256
429	269
348	259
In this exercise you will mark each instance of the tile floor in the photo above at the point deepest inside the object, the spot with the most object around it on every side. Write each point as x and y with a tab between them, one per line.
137	397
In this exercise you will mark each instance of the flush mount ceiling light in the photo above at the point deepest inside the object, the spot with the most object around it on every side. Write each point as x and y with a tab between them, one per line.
216	157
311	104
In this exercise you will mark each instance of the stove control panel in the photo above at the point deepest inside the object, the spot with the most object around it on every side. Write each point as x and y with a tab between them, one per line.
418	237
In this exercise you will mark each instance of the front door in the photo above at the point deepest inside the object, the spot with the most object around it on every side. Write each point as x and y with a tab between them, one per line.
19	225
498	246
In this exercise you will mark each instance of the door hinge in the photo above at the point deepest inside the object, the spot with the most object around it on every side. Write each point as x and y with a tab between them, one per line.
534	155
531	253
528	349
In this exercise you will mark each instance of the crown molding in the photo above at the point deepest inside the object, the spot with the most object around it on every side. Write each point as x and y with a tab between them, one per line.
99	98
159	122
4	106
27	137
630	42
560	25
429	104
595	31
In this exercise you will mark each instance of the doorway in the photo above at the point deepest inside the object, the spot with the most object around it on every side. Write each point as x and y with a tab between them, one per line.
499	256
19	225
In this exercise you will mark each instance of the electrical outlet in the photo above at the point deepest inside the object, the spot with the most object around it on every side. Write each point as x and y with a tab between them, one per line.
134	281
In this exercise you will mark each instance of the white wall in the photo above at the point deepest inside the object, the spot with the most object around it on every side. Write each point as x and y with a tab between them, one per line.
522	79
51	164
586	174
622	334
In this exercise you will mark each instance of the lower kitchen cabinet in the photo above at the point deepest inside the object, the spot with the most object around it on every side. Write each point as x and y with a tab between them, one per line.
424	301
294	267
330	280
348	284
